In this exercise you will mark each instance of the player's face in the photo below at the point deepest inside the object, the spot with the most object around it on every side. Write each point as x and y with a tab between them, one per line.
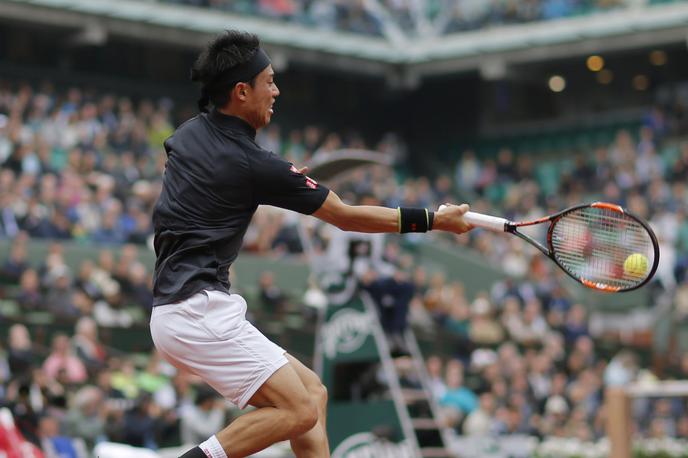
261	97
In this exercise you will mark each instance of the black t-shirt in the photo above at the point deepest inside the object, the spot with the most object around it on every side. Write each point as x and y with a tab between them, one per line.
215	178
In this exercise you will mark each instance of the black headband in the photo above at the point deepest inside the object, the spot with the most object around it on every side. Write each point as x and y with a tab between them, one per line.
245	72
241	73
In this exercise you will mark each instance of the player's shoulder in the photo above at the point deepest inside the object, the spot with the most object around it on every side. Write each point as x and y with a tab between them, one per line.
190	123
259	153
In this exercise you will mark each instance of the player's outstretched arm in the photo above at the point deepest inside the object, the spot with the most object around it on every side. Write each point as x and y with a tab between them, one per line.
368	218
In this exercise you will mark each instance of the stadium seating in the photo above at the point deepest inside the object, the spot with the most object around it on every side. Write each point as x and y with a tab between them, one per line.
414	18
552	348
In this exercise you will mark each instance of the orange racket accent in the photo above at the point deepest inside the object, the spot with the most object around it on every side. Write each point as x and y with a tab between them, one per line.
600	286
612	207
534	222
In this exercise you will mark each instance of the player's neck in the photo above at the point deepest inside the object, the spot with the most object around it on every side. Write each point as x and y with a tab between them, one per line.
237	113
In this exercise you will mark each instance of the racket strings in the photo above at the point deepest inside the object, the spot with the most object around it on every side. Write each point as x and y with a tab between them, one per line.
594	243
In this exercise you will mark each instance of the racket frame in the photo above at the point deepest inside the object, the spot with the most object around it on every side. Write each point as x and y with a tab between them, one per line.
512	228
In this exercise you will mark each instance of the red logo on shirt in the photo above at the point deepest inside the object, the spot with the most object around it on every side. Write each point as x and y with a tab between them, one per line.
310	182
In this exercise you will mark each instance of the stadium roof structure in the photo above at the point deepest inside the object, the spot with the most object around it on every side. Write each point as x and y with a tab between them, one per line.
403	60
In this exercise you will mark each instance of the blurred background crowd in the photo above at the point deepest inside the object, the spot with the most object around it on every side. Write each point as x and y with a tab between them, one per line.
413	17
521	357
81	167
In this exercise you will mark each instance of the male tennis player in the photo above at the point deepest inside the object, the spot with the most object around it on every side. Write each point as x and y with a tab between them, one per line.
215	178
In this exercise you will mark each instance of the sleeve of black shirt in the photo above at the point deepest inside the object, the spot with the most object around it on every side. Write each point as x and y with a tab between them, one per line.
279	183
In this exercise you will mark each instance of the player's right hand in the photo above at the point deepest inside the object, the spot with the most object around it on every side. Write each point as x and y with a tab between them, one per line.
449	217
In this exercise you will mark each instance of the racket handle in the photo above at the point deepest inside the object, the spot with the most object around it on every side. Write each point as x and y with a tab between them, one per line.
491	223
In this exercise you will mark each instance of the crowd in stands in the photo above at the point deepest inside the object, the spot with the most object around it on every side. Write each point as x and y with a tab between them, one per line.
526	361
114	292
524	354
86	166
81	394
415	17
79	166
546	391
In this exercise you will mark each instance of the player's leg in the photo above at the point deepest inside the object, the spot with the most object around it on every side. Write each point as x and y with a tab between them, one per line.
285	411
313	443
208	335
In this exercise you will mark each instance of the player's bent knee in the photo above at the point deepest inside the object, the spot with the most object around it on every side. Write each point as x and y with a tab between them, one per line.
319	395
304	419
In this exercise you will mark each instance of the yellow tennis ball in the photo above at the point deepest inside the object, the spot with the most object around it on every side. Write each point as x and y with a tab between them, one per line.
636	265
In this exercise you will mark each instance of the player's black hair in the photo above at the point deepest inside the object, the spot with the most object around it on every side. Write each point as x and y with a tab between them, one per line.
226	51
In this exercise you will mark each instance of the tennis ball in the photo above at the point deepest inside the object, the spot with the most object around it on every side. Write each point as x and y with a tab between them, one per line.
636	265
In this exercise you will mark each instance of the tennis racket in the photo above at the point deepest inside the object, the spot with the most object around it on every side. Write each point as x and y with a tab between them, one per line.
600	245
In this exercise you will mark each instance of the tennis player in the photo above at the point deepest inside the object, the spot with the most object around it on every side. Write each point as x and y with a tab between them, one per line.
215	178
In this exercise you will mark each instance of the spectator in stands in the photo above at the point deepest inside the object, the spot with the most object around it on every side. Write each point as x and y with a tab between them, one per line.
585	346
556	409
9	226
184	392
138	289
682	427
167	418
204	419
21	356
484	330
457	320
5	373
63	359
540	376
140	423
152	380
530	327
86	417
657	429
110	311
392	295
48	395
87	346
103	273
576	324
29	296
272	297
109	232
15	265
663	419
25	409
85	282
124	375
436	381
55	445
419	316
481	421
458	397
111	395
60	297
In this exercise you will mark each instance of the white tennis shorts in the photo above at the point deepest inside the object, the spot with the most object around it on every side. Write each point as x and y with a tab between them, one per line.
208	335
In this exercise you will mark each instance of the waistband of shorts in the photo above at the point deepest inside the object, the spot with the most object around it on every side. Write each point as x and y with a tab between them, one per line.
174	306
